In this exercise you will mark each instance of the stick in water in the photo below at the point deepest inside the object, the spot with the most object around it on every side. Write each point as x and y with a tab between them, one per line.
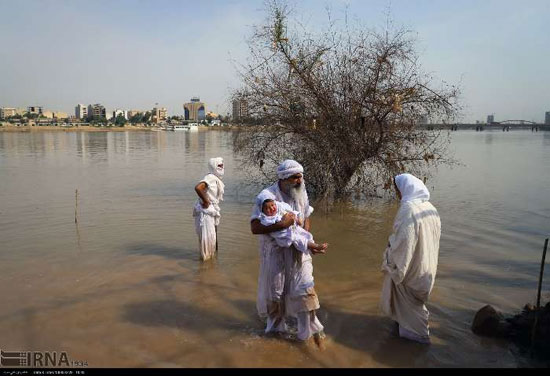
541	271
76	206
538	296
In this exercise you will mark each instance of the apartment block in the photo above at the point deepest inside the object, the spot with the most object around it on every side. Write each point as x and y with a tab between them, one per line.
158	114
240	109
81	111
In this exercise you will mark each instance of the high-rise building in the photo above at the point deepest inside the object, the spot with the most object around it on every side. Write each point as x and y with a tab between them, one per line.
490	119
96	111
158	114
547	118
195	110
6	112
81	111
240	109
34	110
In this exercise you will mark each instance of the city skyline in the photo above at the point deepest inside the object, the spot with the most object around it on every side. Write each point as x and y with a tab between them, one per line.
133	54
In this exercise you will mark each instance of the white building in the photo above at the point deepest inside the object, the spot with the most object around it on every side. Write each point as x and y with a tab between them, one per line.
6	112
117	112
81	111
158	114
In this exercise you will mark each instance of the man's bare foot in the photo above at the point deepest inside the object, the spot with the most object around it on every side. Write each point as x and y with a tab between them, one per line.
319	248
319	340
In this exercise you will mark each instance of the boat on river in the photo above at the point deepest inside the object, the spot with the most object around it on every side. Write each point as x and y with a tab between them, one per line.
180	127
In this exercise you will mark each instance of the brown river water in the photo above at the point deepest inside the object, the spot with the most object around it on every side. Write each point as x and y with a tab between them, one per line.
125	288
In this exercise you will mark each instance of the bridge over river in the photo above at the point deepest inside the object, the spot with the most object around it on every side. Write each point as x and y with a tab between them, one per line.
504	126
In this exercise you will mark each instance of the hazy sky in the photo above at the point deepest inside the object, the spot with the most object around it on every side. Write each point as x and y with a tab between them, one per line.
133	54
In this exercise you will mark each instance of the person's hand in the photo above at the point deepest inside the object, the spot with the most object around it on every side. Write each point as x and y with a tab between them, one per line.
205	204
320	249
288	219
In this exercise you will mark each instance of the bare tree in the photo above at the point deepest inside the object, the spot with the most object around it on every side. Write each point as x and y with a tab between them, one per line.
344	102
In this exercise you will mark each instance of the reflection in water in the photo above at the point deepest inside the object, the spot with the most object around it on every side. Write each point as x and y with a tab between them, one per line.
140	281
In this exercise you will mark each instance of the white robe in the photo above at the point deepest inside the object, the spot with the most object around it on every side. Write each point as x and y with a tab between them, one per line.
283	280
207	219
292	235
271	279
410	265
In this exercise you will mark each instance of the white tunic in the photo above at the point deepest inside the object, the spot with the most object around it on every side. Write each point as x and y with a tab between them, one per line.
273	258
410	265
292	235
207	219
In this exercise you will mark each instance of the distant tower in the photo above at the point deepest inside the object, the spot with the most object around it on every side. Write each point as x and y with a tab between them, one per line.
81	111
240	109
491	119
97	111
547	118
195	110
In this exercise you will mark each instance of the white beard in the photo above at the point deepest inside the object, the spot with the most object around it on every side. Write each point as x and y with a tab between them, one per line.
219	172
299	195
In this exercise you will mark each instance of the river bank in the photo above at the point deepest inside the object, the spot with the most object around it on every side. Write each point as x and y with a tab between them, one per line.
86	128
49	128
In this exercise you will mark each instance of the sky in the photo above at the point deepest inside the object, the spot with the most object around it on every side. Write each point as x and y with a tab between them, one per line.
133	54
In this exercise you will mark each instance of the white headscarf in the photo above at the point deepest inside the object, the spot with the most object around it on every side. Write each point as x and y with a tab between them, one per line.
262	196
411	188
288	168
213	166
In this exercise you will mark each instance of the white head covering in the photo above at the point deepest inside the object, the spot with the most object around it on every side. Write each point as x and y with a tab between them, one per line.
411	188
262	196
213	167
288	168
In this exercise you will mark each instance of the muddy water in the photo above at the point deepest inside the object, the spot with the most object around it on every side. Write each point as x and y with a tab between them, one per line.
125	287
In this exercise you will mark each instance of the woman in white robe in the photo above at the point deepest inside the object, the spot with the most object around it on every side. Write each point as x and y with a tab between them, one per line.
410	259
207	209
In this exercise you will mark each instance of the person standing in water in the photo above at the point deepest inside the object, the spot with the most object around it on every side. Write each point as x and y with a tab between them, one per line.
285	281
207	208
410	259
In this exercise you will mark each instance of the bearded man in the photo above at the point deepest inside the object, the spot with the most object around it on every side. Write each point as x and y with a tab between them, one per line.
285	282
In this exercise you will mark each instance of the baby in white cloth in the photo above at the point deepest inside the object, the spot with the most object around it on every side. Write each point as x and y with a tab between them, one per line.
272	212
